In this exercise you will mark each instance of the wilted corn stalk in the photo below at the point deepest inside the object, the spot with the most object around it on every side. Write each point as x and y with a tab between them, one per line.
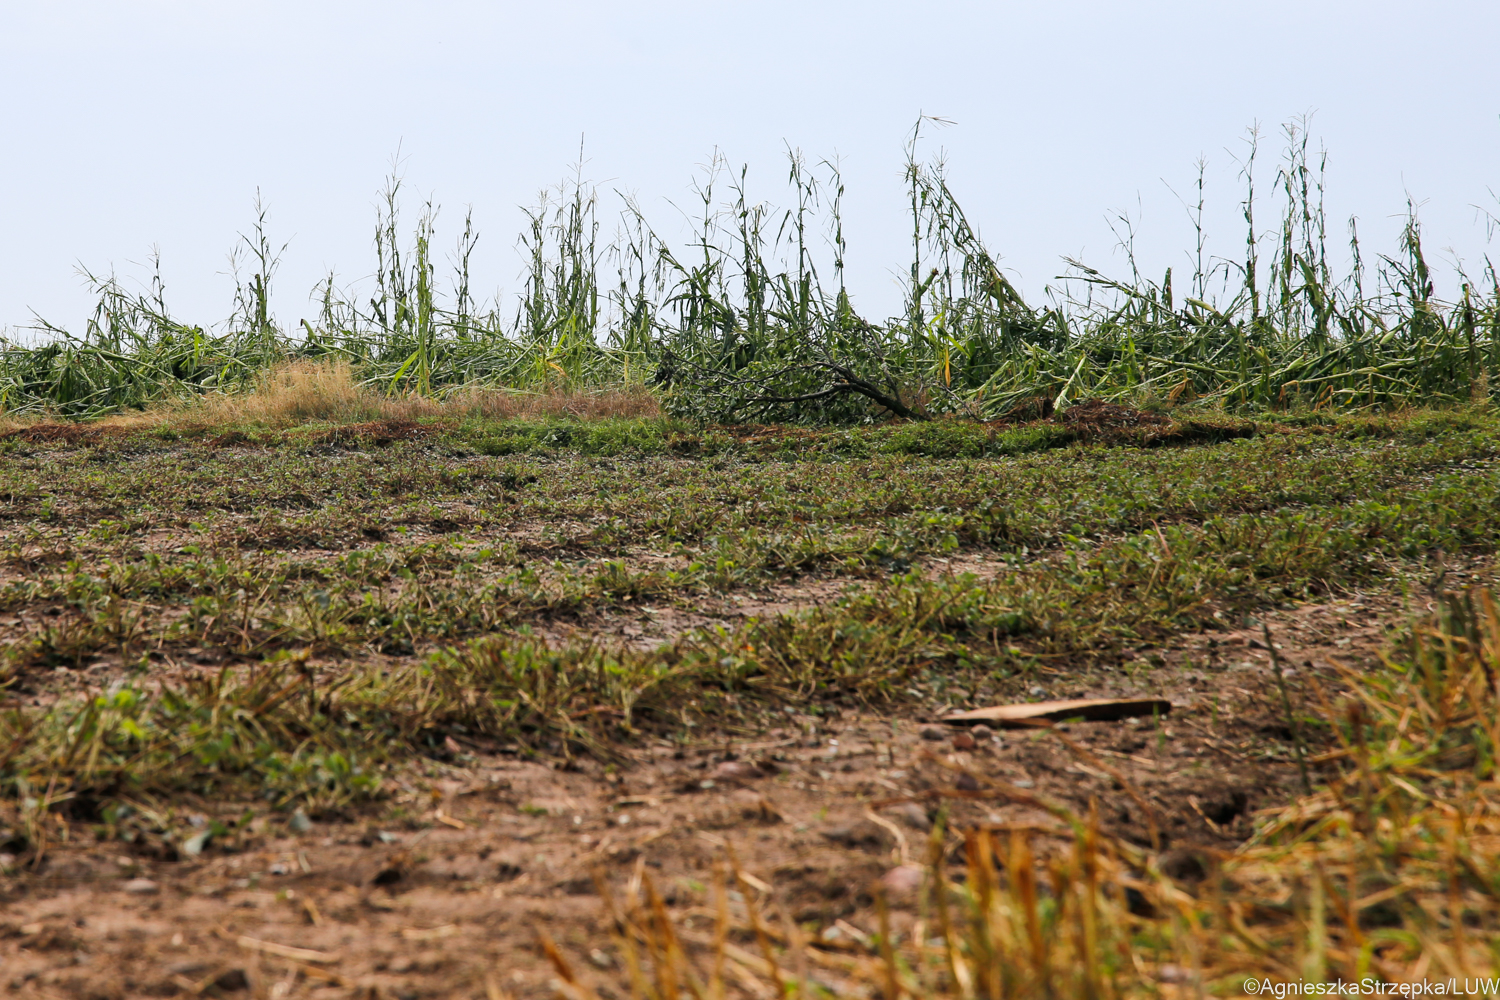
740	326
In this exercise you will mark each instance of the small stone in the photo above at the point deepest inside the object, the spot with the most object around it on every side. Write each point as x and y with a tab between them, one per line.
902	880
862	835
278	869
736	770
967	783
194	967
934	733
963	741
601	959
981	733
1036	692
299	823
913	816
1175	974
141	887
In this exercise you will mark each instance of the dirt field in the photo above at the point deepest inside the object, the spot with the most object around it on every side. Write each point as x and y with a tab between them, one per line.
450	897
438	884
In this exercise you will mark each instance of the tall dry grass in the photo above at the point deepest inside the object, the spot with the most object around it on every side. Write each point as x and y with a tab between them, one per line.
563	402
300	392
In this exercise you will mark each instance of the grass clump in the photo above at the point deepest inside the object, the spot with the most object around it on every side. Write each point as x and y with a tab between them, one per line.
200	736
300	392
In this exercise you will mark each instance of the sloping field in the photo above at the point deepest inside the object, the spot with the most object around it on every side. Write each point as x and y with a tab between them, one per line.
447	702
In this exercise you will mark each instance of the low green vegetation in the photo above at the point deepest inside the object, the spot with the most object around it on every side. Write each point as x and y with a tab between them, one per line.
286	614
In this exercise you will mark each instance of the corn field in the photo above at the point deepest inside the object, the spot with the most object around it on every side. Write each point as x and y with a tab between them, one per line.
752	321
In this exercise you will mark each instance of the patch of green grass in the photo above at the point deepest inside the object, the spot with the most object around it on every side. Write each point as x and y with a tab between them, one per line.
594	438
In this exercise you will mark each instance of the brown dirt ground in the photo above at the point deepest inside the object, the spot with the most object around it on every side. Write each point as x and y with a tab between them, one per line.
448	888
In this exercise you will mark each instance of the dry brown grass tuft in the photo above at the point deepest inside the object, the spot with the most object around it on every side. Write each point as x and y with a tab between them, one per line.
615	402
300	392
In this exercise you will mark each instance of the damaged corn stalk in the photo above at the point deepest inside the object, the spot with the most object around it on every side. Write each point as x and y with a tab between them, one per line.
753	320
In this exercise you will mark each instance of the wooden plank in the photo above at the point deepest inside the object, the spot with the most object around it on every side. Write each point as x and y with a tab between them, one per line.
1086	709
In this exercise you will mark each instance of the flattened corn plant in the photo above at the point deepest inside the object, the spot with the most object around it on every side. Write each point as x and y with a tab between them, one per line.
753	321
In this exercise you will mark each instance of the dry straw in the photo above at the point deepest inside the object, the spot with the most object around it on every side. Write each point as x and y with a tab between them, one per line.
299	392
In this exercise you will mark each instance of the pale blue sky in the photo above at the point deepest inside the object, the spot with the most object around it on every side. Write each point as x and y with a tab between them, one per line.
132	124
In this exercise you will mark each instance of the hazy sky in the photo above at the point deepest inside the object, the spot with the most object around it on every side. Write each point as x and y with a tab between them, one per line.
130	124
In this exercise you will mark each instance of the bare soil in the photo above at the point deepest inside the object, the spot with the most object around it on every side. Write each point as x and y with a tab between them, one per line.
443	894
